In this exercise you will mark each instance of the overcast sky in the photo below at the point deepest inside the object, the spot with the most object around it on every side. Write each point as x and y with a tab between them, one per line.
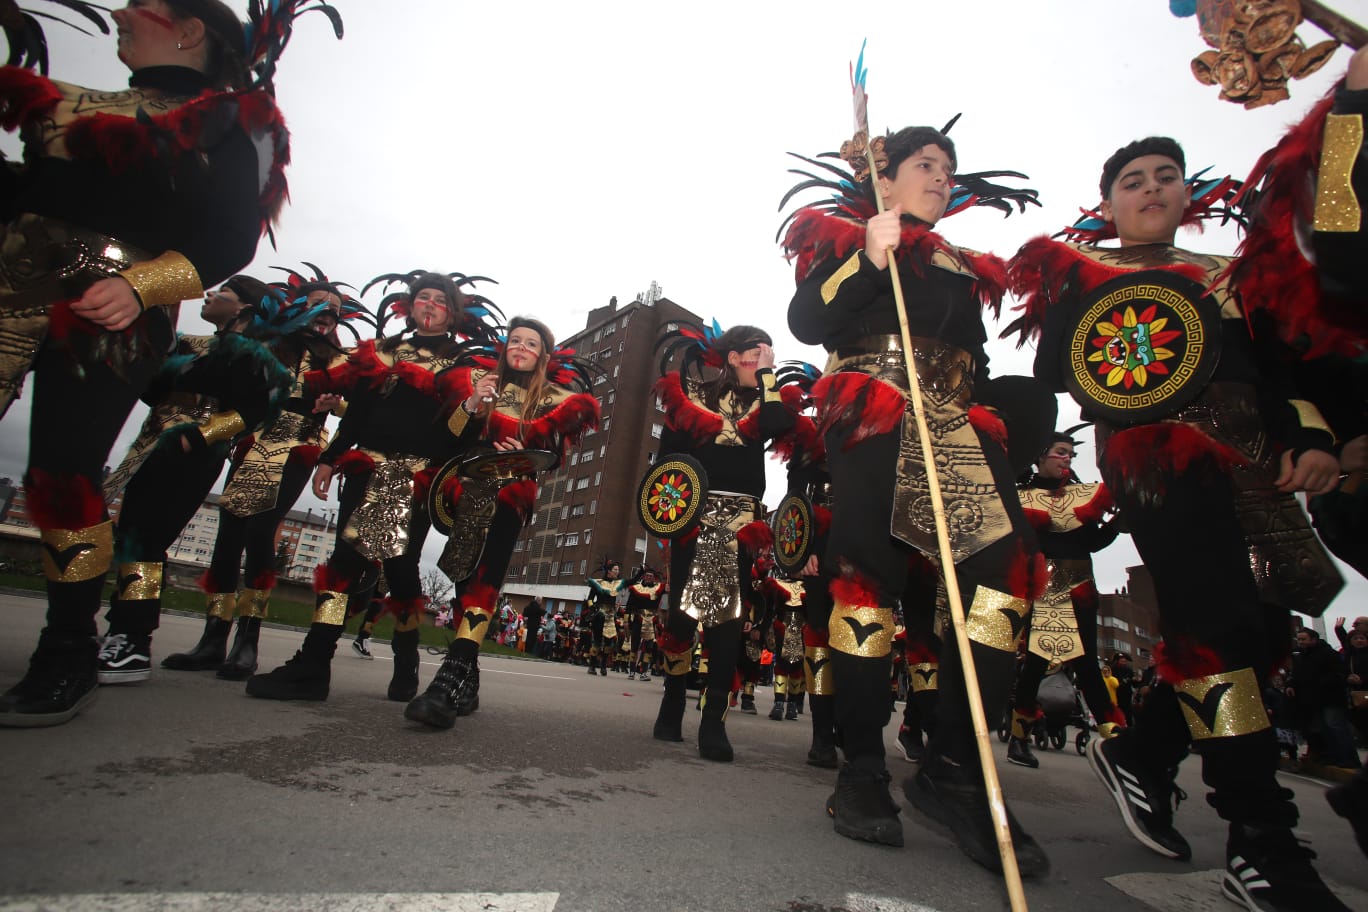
577	152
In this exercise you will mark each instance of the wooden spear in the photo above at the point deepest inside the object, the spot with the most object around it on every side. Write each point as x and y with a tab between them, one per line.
1341	28
996	804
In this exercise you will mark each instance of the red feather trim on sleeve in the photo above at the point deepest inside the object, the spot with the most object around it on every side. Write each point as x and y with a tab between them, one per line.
1038	272
353	462
1271	272
991	271
27	97
455	385
671	644
402	606
800	443
854	398
1096	509
683	414
986	421
557	430
755	536
1027	575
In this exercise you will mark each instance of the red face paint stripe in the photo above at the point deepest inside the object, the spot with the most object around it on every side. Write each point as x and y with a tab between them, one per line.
148	14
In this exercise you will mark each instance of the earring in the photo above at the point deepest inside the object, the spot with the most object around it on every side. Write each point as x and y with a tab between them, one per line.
179	46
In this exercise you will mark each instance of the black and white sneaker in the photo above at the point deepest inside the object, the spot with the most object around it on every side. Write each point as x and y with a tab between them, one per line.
360	648
1142	797
125	658
1269	870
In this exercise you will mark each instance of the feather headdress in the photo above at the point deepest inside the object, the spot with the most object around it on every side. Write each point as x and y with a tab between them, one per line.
480	319
1211	198
270	23
24	32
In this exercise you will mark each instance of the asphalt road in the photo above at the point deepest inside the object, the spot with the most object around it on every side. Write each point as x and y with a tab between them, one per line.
182	793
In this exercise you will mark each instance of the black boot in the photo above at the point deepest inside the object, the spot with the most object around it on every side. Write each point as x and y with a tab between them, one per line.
955	798
861	807
777	710
792	708
241	662
304	677
1019	744
208	652
403	684
712	731
455	691
669	721
822	753
61	681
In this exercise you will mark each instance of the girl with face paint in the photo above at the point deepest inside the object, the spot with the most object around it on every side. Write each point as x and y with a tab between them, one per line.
511	397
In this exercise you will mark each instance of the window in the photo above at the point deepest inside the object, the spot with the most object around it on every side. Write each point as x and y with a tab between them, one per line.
553	569
565	511
598	335
640	545
574	458
598	476
650	458
602	378
569	485
621	345
605	354
588	536
588	456
593	507
609	329
560	539
660	406
512	573
607	422
584	565
572	539
568	568
612	397
518	547
583	483
602	450
626	318
657	429
616	368
577	510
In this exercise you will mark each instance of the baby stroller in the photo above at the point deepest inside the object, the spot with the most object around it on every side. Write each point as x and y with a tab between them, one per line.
1062	706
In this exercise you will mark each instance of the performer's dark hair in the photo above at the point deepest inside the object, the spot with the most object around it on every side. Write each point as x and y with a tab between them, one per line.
250	291
737	339
1150	145
905	143
224	36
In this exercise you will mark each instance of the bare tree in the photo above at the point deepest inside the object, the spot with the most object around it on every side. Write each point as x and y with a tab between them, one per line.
436	587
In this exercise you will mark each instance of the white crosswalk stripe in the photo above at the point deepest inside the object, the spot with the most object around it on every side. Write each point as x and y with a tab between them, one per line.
281	902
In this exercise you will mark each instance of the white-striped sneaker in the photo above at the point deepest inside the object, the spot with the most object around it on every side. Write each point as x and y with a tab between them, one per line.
1142	797
125	658
1269	870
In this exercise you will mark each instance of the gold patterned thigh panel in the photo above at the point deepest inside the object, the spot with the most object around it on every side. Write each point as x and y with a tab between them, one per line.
378	528
712	593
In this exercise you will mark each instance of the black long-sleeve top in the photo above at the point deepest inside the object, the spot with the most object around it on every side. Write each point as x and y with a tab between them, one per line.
1078	532
202	203
735	461
239	372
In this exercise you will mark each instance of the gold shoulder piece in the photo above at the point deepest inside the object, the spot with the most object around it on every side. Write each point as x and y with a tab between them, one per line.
1337	208
165	280
833	283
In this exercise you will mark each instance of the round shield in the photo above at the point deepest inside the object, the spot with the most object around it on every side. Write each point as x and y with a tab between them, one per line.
671	495
1143	346
506	466
440	507
497	467
794	533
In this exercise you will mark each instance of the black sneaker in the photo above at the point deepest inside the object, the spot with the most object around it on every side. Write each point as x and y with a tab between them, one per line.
1019	752
359	647
748	704
953	800
1269	870
1142	797
862	809
910	744
125	658
791	711
300	678
776	711
60	683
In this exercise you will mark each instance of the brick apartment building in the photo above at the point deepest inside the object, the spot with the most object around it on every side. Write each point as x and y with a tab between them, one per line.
586	509
1128	619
